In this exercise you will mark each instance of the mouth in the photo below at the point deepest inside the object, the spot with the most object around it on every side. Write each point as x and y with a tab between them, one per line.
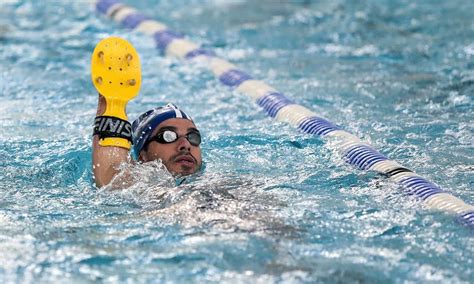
185	160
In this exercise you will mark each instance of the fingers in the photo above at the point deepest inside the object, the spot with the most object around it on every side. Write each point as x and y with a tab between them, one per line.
101	105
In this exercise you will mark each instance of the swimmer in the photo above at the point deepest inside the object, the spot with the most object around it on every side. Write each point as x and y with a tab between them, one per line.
164	133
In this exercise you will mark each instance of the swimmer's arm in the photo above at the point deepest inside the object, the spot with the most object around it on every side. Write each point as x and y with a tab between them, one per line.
106	160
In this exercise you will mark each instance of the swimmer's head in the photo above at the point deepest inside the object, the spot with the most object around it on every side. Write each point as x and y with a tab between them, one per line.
169	134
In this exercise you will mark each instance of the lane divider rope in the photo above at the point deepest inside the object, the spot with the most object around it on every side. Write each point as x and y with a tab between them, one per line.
355	152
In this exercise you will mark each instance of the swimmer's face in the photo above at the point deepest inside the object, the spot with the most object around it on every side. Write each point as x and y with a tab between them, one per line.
180	157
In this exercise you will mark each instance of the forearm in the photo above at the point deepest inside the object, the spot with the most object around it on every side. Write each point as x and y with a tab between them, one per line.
106	160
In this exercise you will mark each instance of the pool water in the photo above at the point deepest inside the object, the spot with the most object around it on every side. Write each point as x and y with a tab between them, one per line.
273	204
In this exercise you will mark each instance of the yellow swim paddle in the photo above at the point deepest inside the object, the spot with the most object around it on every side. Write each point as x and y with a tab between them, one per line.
116	74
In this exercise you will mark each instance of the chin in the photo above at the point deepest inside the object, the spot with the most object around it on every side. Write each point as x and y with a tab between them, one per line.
183	171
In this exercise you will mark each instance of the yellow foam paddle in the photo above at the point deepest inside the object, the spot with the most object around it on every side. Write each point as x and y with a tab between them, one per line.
116	74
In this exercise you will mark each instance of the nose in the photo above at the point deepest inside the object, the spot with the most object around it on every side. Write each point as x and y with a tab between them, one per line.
184	145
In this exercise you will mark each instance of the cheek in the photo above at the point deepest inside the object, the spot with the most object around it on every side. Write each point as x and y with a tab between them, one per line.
197	154
160	152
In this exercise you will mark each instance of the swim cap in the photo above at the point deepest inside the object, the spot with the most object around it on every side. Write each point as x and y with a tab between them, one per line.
143	126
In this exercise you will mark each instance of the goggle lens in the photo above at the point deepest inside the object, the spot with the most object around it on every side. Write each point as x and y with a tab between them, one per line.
169	136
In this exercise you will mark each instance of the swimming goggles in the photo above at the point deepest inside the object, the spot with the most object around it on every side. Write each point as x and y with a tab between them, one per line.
169	136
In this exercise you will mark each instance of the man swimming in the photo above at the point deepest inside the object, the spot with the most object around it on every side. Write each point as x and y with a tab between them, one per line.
164	133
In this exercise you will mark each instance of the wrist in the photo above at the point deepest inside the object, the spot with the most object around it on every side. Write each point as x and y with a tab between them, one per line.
113	131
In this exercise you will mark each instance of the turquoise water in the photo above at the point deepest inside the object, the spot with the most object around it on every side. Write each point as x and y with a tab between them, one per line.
273	205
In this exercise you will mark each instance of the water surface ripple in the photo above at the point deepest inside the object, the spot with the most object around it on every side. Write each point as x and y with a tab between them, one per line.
273	205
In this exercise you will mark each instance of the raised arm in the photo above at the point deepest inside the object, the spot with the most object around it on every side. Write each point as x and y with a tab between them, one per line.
116	74
106	159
